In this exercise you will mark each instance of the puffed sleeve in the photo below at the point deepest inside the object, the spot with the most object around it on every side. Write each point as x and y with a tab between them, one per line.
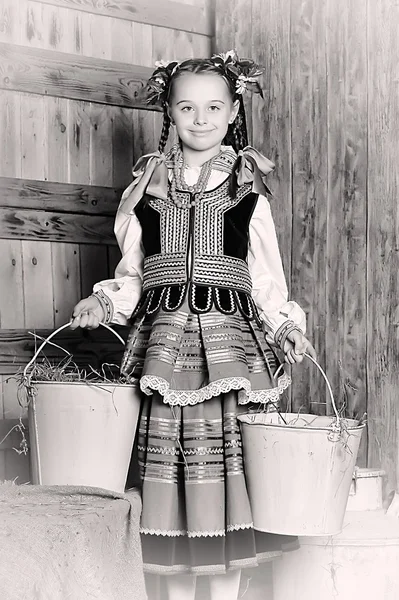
269	285
120	295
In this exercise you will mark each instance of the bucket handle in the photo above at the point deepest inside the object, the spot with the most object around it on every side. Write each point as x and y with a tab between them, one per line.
327	383
30	363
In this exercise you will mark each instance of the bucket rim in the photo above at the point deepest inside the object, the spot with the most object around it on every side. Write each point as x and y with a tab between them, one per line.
98	384
301	427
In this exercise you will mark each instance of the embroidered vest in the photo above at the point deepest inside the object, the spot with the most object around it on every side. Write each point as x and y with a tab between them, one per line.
200	250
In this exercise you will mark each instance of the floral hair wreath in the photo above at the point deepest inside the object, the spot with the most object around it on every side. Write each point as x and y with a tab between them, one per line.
242	72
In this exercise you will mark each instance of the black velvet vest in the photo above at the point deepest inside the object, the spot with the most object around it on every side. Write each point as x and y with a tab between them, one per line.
200	251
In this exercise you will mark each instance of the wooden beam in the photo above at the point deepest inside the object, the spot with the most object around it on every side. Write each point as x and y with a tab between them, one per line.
59	197
43	225
47	72
173	15
10	433
94	348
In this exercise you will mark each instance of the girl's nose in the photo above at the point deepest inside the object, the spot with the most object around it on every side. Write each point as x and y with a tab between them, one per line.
200	118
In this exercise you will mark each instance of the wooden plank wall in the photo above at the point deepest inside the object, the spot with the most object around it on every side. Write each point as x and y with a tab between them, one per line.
329	121
68	137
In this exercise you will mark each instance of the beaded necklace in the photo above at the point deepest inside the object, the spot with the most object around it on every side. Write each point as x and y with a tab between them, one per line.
178	180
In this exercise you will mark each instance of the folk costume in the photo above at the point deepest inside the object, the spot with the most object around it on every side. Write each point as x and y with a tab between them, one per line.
202	284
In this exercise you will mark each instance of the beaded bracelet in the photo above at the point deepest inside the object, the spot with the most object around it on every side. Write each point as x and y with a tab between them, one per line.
105	304
283	332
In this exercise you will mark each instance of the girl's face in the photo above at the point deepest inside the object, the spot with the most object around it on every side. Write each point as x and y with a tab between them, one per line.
202	108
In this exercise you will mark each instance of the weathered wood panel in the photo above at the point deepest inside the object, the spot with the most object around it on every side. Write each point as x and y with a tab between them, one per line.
309	187
68	76
383	238
60	197
11	278
17	347
53	226
346	334
167	14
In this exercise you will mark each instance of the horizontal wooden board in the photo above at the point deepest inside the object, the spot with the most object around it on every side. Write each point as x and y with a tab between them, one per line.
173	15
60	197
11	435
93	348
43	225
52	73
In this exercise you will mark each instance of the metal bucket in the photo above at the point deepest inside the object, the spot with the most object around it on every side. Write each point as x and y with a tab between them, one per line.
299	469
81	433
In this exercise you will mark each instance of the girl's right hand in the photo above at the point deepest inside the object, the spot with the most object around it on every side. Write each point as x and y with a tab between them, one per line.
87	314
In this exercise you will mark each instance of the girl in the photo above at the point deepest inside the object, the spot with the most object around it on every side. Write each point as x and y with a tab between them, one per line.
201	283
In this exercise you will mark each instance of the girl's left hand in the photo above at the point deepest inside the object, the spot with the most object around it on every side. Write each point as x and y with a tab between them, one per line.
295	347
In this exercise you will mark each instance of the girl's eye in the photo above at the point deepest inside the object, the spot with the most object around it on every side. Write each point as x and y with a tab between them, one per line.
214	108
186	108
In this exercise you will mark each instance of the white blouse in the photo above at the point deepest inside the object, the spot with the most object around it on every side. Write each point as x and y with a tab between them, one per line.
268	281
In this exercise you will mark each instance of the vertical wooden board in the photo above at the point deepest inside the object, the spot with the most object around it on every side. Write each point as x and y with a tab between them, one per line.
121	35
33	137
122	146
96	35
33	27
11	277
202	46
38	289
233	31
93	266
346	322
101	144
383	243
114	256
142	45
10	20
122	118
56	110
79	127
2	452
66	281
309	177
272	115
10	135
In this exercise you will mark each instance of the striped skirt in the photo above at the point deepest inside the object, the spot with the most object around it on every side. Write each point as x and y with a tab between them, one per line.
197	373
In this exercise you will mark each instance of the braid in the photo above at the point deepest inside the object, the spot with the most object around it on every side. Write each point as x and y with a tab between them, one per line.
165	130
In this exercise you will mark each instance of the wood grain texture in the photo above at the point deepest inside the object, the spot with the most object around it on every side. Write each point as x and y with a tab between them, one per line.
272	115
60	197
235	24
43	225
38	286
66	281
168	14
88	347
11	278
383	239
10	134
309	189
70	76
93	266
346	339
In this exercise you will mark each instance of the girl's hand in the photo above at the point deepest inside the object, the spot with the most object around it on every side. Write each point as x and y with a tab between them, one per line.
87	314
295	347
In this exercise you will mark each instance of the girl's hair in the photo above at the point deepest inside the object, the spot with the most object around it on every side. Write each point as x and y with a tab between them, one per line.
236	135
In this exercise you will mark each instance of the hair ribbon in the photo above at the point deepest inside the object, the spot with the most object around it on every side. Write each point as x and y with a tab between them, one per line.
251	167
150	177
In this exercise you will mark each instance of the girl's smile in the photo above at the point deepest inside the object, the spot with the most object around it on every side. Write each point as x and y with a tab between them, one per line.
202	109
